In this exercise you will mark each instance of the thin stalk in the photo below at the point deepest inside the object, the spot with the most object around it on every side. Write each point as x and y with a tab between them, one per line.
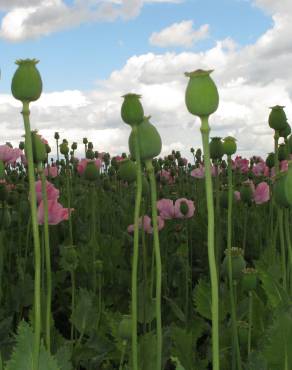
249	323
68	175
123	354
48	260
72	272
283	251
205	129
150	171
134	280
36	237
230	277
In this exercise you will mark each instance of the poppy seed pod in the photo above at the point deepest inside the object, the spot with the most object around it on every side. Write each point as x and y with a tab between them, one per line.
85	141
21	145
286	131
38	147
270	160
237	261
149	141
277	118
229	145
132	110
216	148
74	146
26	83
283	152
127	170
201	95
283	188
125	327
56	136
249	279
90	154
64	149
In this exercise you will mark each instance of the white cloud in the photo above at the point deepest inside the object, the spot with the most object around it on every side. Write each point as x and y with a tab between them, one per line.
26	19
249	79
179	34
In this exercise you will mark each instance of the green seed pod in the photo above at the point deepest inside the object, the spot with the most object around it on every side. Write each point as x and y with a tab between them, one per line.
216	148
91	172
246	193
127	170
201	95
277	118
74	146
286	131
125	328
132	110
64	149
90	145
21	145
283	152
2	170
229	145
85	141
270	160
38	147
283	188
56	136
149	141
184	208
249	279
90	154
237	261
26	83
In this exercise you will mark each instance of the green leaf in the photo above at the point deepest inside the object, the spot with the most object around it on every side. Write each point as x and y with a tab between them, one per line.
22	356
177	363
63	357
176	310
85	315
202	299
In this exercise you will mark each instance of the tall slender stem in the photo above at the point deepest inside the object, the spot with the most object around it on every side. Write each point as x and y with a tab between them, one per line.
150	171
249	323
36	237
136	252
48	260
235	342
205	129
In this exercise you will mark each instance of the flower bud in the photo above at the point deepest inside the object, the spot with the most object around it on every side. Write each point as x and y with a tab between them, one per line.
26	83
229	145
277	118
64	149
201	95
132	110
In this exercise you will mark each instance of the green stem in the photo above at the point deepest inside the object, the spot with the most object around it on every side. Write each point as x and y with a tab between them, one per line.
205	129
249	323
48	260
235	342
36	238
289	244
276	148
72	304
68	175
150	171
136	252
282	244
123	354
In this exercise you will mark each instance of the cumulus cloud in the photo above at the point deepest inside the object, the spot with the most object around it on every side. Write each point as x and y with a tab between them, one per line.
250	79
179	34
26	19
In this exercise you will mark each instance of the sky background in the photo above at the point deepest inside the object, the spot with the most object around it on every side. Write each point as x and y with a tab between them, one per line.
92	52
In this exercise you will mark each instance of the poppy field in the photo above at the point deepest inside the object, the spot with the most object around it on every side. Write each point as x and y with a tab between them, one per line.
142	261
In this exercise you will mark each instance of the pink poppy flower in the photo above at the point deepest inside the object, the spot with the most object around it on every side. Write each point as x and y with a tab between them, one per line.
51	171
199	172
56	212
241	164
9	155
165	208
83	164
147	225
184	208
167	176
52	192
262	193
259	169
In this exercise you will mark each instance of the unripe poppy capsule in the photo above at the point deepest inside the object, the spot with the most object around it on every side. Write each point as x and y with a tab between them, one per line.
270	160
127	170
216	148
26	83
229	145
132	110
201	95
277	118
91	172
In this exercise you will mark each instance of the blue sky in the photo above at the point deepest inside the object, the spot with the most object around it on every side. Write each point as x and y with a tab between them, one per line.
88	63
77	57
